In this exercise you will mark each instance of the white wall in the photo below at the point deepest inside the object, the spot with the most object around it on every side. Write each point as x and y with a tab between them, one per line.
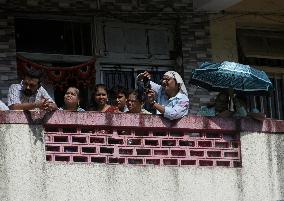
24	174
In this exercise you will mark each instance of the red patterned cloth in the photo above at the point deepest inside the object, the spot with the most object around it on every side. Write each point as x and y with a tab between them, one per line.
81	75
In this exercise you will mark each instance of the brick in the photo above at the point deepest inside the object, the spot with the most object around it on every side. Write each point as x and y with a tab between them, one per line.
229	137
97	140
71	149
126	151
111	141
186	143
62	158
135	161
51	129
79	139
231	154
124	132
98	159
116	160
235	144
176	134
206	162
88	150
80	159
70	130
61	139
237	164
214	154
160	133
106	150
141	133
134	141
213	135
87	130
161	152
188	162
48	138
53	148
197	153
144	152
48	157
170	161
204	143
169	143
222	144
223	163
178	152
151	142
193	135
104	132
153	161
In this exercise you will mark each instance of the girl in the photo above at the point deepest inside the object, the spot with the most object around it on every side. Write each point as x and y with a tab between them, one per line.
99	100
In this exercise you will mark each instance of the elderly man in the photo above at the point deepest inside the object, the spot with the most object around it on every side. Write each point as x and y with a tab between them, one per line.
30	95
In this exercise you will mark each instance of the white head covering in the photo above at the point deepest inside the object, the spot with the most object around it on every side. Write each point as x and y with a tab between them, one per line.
177	77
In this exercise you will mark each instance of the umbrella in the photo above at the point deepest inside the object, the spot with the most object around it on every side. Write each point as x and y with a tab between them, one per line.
226	75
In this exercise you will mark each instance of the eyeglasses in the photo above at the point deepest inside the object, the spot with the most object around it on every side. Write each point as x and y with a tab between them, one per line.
165	79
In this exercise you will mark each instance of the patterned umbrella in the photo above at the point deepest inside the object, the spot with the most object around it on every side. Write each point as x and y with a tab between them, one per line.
226	75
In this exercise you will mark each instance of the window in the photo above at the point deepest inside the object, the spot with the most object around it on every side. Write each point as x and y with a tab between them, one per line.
264	49
139	41
53	36
125	75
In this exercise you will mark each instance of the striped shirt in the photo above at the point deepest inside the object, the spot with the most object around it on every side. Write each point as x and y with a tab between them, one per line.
3	106
16	95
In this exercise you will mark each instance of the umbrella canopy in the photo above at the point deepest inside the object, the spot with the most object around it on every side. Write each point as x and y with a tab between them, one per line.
226	75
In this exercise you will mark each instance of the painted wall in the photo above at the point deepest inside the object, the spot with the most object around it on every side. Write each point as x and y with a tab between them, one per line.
25	174
265	14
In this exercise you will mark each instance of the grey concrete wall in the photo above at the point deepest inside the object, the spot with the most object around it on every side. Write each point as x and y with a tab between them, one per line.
262	172
24	174
22	162
119	182
8	70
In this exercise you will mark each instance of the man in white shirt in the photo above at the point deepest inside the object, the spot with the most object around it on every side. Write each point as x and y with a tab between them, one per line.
30	95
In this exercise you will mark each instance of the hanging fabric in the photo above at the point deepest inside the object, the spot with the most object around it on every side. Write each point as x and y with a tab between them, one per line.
82	75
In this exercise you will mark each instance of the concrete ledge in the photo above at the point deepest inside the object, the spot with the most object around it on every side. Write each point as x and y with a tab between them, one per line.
191	123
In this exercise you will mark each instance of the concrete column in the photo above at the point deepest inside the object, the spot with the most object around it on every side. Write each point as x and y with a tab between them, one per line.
261	171
22	167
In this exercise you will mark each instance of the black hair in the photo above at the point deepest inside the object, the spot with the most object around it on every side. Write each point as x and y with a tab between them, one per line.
117	90
94	104
138	94
34	73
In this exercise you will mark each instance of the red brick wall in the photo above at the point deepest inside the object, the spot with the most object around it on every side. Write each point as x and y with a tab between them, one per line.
140	146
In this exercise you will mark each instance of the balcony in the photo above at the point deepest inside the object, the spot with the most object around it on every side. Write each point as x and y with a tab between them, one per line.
104	156
213	5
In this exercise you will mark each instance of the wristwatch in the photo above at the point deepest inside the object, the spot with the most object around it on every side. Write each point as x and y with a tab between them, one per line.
152	103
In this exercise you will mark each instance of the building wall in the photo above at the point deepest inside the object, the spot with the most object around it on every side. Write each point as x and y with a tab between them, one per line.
8	72
193	29
249	13
25	174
